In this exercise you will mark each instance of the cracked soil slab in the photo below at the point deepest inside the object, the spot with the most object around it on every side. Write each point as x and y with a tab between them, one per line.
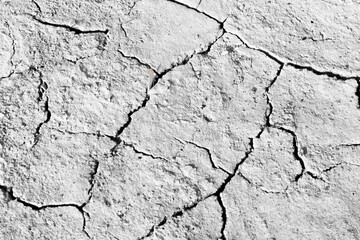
179	119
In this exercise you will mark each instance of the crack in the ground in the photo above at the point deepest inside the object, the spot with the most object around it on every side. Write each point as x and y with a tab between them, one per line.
331	167
199	4
214	194
269	110
195	9
132	7
295	152
8	76
184	61
155	80
123	30
13	45
349	145
208	152
260	187
77	59
273	56
223	217
294	64
268	124
129	116
8	191
320	72
140	62
298	66
357	93
142	152
176	214
202	51
98	134
37	6
42	97
92	179
67	27
338	165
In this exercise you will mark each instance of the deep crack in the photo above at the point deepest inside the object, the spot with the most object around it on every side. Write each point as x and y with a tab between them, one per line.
223	217
37	6
318	72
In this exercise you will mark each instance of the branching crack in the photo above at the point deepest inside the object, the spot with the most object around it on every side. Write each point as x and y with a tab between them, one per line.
208	152
69	28
158	76
195	9
202	51
297	156
327	73
214	194
8	191
269	111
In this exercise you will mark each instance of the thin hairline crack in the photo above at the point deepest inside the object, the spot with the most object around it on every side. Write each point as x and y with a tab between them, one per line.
208	152
13	52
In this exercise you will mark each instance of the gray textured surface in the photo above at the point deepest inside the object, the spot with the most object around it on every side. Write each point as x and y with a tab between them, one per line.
164	119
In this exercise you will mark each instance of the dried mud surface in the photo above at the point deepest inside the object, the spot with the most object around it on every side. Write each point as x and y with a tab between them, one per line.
179	119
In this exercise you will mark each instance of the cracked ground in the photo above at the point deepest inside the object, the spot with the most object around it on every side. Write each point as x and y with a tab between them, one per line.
180	119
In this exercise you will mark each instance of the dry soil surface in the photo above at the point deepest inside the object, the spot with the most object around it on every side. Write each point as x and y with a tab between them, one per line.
180	119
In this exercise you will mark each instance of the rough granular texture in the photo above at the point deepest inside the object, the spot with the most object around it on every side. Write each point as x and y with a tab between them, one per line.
179	119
